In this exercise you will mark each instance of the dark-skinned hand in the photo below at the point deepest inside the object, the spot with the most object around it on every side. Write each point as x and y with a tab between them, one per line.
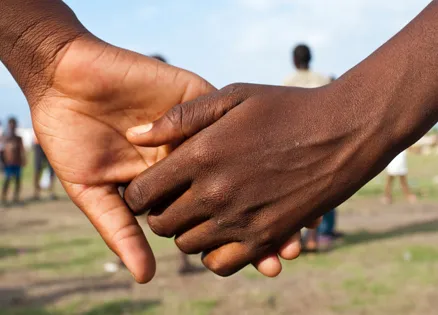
269	164
262	161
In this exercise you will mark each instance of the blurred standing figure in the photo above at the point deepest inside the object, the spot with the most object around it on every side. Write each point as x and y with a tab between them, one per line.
14	157
1	149
398	168
304	77
40	164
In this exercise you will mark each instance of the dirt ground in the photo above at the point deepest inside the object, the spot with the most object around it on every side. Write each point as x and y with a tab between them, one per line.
51	262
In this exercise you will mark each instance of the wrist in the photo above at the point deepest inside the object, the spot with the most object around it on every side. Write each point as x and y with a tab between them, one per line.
354	128
390	100
33	35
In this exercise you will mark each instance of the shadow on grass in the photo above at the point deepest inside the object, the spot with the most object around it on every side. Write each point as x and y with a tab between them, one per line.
365	237
6	252
11	297
123	307
68	243
81	262
68	281
109	308
23	226
86	288
28	311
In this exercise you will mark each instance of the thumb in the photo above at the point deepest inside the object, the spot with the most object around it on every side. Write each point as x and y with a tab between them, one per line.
117	225
185	120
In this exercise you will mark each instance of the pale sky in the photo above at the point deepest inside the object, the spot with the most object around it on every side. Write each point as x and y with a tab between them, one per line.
229	41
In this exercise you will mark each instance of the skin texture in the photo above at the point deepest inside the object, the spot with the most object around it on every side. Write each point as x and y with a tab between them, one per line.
85	113
243	194
83	95
259	162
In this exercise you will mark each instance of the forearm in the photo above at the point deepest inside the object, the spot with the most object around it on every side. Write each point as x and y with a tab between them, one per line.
396	88
32	33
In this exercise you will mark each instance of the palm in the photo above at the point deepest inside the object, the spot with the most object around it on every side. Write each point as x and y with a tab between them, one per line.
97	93
94	99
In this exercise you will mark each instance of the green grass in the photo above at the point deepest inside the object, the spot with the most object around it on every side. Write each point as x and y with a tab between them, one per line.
122	307
200	307
372	275
6	252
376	274
361	286
372	272
28	311
408	230
55	254
423	254
422	171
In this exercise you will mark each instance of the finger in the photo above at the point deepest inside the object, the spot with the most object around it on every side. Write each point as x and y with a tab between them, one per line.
228	259
269	266
185	120
158	184
175	217
118	227
203	237
292	248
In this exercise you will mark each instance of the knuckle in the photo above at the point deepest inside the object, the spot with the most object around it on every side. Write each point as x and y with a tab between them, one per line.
135	196
218	193
202	153
218	267
160	229
266	237
174	115
188	115
185	246
227	223
235	88
238	91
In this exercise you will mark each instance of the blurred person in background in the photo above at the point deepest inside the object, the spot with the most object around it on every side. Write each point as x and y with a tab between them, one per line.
14	160
398	168
304	77
1	149
41	163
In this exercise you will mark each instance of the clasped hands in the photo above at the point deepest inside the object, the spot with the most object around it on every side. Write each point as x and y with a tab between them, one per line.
250	168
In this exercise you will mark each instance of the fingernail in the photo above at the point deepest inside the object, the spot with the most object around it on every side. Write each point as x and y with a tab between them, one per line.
139	130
